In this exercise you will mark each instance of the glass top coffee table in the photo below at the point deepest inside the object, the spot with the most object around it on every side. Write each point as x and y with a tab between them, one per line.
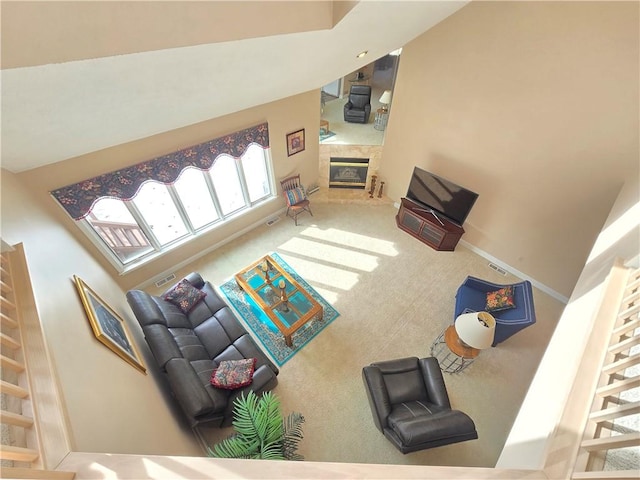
287	304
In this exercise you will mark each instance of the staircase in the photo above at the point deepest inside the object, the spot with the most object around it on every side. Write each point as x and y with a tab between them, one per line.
16	412
611	443
21	453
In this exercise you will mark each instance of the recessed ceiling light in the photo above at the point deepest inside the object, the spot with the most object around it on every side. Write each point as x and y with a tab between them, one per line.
362	54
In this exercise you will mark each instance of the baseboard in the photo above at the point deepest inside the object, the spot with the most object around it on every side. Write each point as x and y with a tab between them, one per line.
516	272
210	249
482	253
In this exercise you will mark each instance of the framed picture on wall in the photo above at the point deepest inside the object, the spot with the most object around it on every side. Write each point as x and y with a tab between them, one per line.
295	142
108	327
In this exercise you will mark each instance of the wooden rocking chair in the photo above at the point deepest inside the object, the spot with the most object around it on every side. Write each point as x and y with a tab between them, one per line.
295	196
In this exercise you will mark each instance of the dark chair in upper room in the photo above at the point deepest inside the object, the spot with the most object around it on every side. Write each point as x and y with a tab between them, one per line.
472	297
358	108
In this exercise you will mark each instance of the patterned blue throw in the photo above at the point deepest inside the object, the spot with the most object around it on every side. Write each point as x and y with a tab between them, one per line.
264	329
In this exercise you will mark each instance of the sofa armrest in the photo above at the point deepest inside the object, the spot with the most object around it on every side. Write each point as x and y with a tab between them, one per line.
263	380
145	308
162	344
188	389
377	395
195	279
434	381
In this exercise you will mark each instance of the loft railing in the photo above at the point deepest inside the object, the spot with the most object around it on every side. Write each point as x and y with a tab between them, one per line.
23	453
611	444
15	416
123	238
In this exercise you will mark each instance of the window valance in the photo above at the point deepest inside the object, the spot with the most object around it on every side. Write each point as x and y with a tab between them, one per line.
79	198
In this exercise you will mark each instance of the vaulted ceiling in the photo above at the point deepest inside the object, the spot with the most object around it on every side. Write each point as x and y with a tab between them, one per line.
83	76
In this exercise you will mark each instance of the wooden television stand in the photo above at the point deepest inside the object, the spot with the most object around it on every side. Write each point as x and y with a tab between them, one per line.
424	225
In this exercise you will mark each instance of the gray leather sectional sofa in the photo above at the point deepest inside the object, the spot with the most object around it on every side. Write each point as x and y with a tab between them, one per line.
189	347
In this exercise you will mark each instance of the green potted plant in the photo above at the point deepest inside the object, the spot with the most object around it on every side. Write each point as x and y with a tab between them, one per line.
261	431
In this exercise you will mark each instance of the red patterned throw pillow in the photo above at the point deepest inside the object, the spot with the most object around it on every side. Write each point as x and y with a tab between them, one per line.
185	296
232	374
500	299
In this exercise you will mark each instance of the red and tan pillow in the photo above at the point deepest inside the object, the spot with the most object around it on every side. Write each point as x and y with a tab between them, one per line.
232	374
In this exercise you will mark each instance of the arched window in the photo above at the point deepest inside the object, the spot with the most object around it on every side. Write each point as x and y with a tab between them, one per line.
134	213
227	184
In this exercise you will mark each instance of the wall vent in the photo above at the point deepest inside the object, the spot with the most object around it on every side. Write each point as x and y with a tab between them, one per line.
498	269
273	220
166	279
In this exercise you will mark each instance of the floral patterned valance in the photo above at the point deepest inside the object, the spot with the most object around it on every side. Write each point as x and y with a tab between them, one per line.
79	198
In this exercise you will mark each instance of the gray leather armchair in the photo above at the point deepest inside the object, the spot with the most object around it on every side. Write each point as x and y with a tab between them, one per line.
358	108
410	405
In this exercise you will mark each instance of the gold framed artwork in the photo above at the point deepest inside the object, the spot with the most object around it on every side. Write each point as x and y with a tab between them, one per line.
108	327
295	142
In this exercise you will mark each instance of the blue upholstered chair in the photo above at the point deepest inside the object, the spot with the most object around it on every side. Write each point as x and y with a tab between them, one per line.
472	297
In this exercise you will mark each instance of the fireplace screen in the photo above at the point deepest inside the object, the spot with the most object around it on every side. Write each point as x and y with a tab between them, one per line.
348	172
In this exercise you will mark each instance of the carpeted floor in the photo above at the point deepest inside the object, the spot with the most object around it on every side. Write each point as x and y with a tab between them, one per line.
395	295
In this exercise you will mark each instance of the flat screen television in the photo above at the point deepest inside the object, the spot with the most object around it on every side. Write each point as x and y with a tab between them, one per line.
440	196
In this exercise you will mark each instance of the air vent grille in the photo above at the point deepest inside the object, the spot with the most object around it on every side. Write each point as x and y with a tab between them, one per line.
165	280
498	269
271	221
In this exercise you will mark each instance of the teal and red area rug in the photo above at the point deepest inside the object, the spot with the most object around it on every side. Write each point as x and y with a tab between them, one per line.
263	327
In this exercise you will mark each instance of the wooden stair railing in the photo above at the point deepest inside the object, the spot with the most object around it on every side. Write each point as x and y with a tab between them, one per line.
14	383
20	452
610	448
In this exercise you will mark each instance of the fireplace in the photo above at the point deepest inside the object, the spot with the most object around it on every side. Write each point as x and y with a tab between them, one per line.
348	172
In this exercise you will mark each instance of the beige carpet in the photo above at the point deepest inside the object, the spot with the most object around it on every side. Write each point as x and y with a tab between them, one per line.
394	295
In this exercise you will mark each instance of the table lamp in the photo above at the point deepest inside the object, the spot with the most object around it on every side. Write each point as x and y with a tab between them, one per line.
476	329
385	100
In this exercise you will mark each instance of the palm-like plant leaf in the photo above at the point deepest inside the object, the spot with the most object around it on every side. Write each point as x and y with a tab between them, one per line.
235	446
261	431
292	435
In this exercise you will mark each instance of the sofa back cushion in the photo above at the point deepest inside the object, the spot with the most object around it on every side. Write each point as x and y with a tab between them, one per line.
213	337
201	334
207	307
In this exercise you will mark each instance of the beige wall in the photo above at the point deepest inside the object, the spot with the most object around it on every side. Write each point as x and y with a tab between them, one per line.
549	440
283	116
38	33
535	107
105	397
